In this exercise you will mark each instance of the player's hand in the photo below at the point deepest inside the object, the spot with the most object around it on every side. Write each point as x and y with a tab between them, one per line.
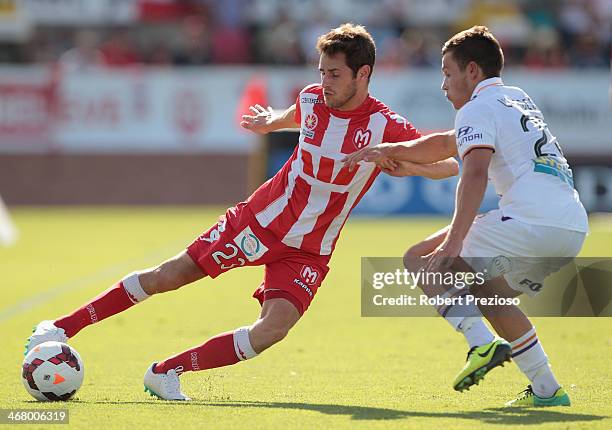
443	256
401	169
259	122
376	154
387	165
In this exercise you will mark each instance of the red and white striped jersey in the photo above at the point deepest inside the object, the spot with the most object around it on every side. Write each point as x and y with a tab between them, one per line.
308	201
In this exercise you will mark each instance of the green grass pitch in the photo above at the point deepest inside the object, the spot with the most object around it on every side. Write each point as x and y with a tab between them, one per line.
335	369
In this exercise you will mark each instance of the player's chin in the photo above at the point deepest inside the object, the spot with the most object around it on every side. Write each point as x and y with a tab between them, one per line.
455	104
330	103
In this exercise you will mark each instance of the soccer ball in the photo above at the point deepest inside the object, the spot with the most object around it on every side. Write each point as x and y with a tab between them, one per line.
52	371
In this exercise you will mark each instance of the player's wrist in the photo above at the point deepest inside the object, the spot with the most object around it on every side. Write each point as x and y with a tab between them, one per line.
387	150
455	236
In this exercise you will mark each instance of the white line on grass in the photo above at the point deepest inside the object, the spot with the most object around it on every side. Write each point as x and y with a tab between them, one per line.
117	269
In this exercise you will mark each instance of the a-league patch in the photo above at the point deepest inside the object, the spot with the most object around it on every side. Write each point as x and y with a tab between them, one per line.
250	244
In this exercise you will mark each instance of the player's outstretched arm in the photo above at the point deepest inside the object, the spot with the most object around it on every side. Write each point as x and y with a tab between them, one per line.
264	120
425	150
470	192
438	170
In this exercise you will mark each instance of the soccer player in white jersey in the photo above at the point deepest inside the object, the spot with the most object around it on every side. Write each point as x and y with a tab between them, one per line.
501	134
290	224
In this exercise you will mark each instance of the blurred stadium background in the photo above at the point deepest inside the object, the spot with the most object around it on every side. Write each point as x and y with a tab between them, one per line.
136	102
127	102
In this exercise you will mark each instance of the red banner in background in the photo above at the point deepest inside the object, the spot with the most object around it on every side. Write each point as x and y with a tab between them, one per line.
164	10
25	111
194	109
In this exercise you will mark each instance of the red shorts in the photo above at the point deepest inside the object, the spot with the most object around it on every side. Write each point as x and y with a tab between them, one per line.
238	240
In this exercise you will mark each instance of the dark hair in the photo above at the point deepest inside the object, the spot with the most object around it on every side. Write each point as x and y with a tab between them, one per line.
352	40
476	44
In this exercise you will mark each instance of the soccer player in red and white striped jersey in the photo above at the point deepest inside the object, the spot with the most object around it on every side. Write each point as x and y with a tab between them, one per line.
290	224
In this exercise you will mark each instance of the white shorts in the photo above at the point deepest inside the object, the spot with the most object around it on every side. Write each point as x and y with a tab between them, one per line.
524	254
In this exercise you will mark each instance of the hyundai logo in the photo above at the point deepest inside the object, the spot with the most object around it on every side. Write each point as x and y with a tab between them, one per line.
464	131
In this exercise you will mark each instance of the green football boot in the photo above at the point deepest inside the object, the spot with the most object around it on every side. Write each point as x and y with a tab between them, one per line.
480	360
529	399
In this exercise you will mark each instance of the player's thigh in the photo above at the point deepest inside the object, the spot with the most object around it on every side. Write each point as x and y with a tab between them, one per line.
294	279
523	255
414	258
237	240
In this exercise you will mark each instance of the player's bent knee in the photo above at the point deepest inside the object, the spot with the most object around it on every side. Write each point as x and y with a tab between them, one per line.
413	260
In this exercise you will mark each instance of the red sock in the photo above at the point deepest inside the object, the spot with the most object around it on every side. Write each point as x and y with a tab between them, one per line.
110	302
217	351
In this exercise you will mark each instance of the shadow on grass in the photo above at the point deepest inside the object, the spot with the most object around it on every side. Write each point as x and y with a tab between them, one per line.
503	416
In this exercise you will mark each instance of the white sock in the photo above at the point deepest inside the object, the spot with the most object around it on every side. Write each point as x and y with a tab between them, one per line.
529	356
477	333
242	344
466	319
131	285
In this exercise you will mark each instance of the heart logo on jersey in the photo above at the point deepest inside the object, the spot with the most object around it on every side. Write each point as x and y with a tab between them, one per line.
362	138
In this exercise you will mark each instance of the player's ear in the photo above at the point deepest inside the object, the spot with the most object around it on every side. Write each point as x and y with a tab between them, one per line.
364	72
472	69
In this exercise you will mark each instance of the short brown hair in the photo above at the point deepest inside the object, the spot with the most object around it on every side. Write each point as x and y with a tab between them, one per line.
352	40
476	44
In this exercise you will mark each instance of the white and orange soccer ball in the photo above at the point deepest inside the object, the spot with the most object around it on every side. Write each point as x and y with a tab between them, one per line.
52	371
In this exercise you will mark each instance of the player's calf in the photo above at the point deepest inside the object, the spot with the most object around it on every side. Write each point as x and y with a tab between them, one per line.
133	289
264	335
118	298
162	379
278	316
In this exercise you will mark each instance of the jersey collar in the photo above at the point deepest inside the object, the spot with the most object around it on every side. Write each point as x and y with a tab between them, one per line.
487	83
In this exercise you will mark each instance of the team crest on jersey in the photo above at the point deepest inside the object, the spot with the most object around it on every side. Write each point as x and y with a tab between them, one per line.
311	121
250	244
309	274
362	138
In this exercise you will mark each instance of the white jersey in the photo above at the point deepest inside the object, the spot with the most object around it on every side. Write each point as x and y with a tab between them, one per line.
528	169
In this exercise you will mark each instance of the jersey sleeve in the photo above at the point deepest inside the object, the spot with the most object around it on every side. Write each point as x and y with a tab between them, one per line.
297	116
474	128
398	129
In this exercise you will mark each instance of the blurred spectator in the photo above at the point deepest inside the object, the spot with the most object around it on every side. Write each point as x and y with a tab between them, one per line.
279	42
230	45
409	33
316	24
545	51
84	55
193	45
586	52
119	50
160	55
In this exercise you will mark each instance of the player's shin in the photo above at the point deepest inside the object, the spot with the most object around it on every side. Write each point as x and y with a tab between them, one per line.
116	299
224	349
528	354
